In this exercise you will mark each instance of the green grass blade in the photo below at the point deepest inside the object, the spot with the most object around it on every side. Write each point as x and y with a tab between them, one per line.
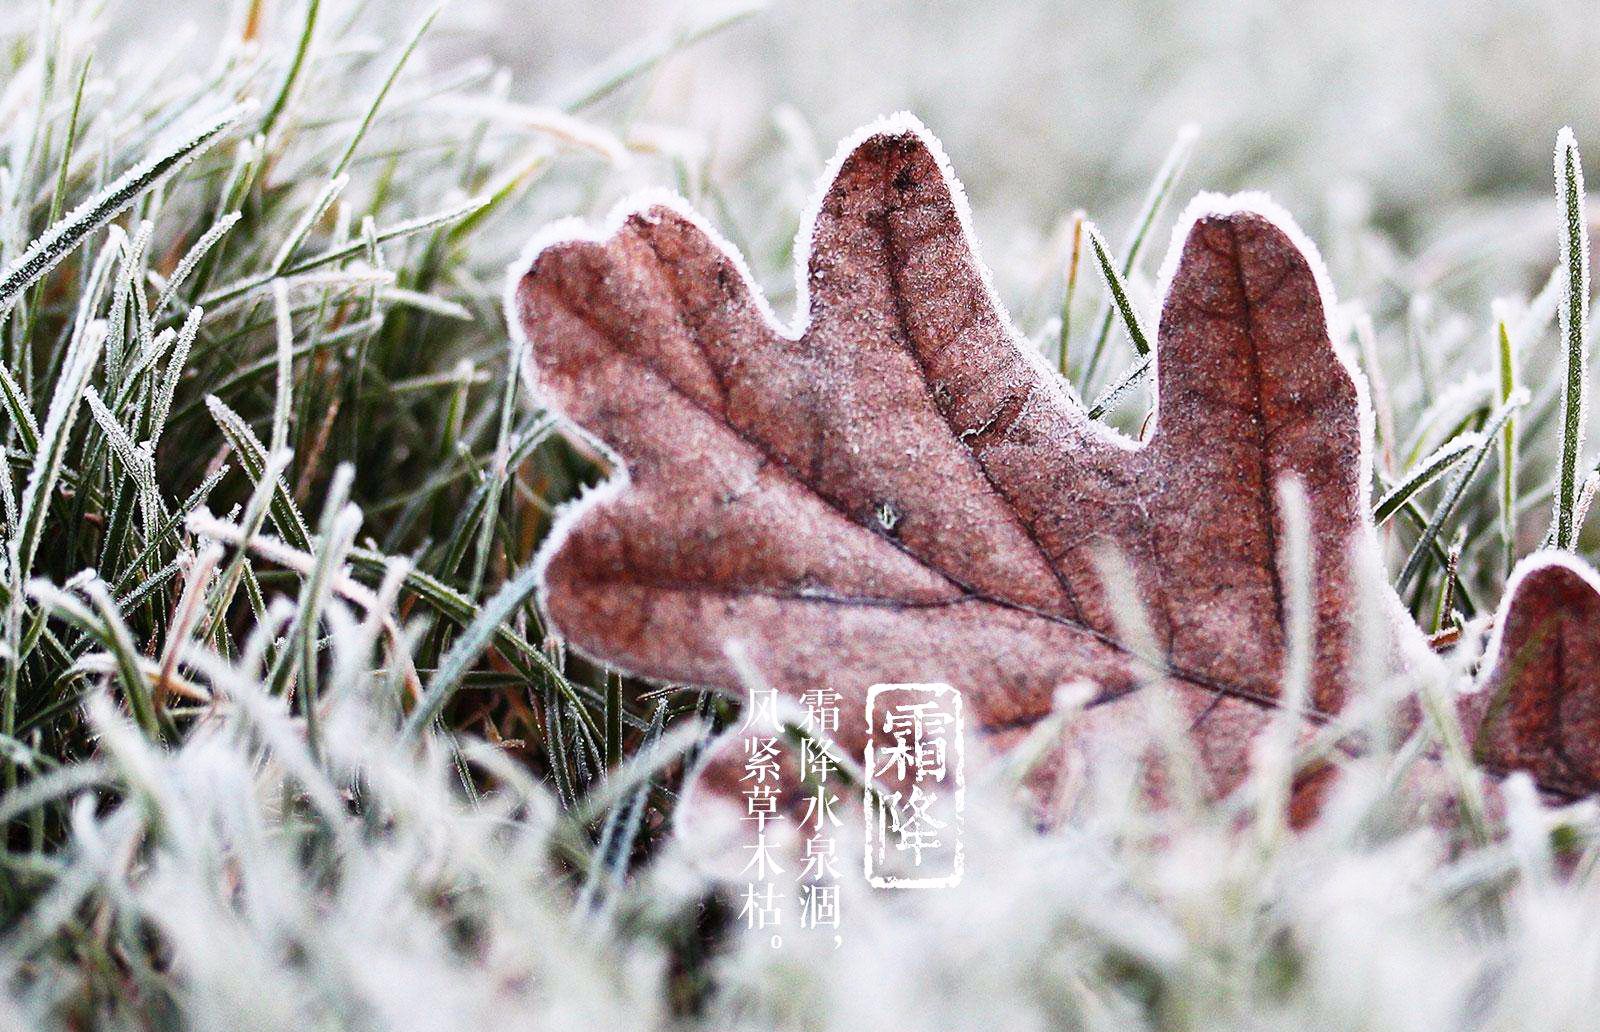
467	648
462	611
283	394
1574	320
1074	263
267	477
1507	362
1149	212
51	453
499	472
319	207
632	62
253	459
64	237
1113	394
64	169
1457	489
340	522
192	259
18	407
104	624
343	252
383	91
1119	291
291	78
1426	472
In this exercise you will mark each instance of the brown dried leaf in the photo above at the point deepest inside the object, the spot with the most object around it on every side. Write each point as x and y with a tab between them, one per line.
905	492
1540	707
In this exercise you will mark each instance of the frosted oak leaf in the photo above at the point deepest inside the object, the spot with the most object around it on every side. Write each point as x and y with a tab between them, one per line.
1539	709
895	488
